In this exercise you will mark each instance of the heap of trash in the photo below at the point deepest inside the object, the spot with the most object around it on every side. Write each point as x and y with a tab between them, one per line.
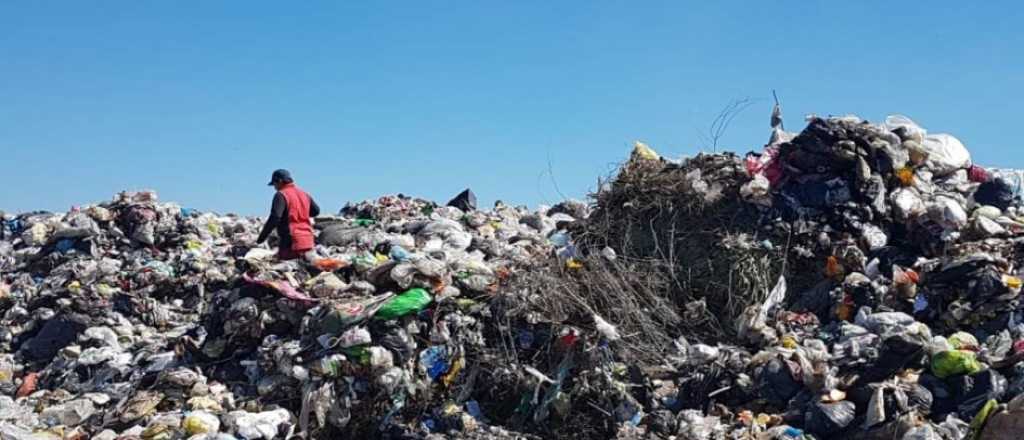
852	280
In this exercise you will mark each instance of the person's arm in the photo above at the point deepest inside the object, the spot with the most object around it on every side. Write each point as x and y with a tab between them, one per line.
314	209
277	210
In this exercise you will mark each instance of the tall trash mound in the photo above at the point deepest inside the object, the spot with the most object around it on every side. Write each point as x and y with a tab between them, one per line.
689	218
854	280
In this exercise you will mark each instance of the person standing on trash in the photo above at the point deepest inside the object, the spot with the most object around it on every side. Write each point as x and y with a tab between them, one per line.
290	214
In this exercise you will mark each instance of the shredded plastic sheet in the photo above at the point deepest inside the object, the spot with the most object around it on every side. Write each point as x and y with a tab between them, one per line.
775	297
281	287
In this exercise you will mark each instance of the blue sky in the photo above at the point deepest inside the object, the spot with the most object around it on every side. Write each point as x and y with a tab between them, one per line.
201	101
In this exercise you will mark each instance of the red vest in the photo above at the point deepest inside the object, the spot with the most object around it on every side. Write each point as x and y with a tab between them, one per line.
298	217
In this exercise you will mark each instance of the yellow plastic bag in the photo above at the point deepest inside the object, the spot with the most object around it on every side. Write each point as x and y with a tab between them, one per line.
200	422
906	176
642	151
1012	282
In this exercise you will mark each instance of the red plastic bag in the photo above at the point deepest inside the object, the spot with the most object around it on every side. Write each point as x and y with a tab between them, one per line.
767	163
978	174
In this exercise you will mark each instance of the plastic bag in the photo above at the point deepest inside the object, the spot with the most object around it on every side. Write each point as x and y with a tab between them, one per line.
380	358
953	362
765	164
355	336
412	301
1015	178
434	361
1005	425
995	192
907	204
757	191
883	323
946	154
337	318
874	237
28	385
986	227
695	425
329	264
829	418
606	329
257	425
36	235
947	212
905	281
282	287
973	391
70	413
465	201
923	432
642	151
982	417
201	422
905	127
326	284
964	341
777	383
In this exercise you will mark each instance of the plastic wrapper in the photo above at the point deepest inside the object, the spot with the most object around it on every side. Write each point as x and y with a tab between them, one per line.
411	301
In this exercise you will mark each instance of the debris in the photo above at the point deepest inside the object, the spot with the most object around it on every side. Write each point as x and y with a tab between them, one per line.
831	286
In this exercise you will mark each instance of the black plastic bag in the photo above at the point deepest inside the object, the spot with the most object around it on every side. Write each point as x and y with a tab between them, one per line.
829	418
995	192
919	398
943	400
777	383
899	351
820	194
465	201
56	334
972	391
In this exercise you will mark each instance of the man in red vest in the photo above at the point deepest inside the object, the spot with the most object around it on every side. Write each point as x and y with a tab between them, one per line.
289	214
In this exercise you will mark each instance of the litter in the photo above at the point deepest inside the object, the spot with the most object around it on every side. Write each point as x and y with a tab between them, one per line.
852	280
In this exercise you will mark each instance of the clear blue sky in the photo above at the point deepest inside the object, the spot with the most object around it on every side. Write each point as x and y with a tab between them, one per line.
202	100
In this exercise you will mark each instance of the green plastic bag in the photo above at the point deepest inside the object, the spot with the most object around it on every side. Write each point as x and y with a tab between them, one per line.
953	362
979	419
412	301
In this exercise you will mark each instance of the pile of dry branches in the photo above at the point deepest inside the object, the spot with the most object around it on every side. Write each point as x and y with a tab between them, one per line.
691	221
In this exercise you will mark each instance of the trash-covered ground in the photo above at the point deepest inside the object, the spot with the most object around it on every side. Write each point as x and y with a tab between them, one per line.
853	280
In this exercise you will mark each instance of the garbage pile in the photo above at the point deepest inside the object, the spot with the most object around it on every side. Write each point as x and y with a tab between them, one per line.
853	281
141	319
866	279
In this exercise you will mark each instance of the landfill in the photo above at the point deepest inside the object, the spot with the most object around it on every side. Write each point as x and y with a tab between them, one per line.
853	280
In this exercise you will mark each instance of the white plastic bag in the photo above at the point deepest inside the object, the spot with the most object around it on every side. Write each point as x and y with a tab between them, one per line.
912	131
946	154
757	191
947	212
257	425
606	329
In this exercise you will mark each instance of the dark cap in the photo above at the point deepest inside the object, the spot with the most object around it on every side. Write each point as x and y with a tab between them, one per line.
280	176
